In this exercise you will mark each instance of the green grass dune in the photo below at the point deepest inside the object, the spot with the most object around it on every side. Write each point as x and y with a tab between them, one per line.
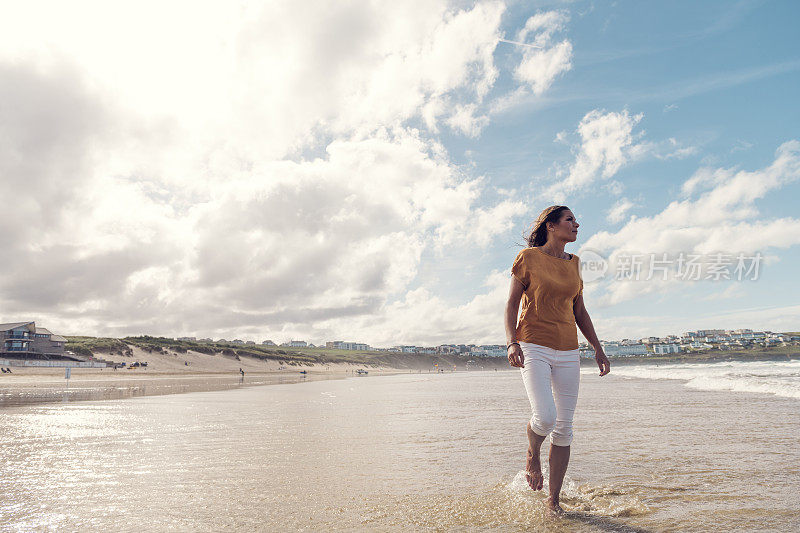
97	346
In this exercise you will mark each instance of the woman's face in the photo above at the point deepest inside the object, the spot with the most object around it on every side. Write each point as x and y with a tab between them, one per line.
566	229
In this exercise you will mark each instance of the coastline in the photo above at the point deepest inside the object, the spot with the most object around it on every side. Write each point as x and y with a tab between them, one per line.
703	357
176	373
170	371
164	374
38	388
187	356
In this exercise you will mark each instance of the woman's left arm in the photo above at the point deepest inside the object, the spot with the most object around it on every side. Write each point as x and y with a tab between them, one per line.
587	328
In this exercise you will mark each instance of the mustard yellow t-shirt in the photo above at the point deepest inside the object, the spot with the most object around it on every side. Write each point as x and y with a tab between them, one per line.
551	287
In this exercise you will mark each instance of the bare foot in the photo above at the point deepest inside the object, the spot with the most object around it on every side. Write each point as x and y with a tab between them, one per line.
533	471
553	506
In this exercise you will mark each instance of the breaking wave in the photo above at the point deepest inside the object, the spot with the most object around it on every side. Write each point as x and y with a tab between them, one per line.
780	378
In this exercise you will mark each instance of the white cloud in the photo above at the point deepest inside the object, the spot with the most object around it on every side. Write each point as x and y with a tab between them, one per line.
718	214
606	146
742	146
732	291
50	125
321	240
665	150
463	120
615	187
705	177
540	68
544	60
619	210
423	317
258	176
267	80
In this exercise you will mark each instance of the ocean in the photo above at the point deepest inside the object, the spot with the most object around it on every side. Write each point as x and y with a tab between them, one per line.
671	447
781	378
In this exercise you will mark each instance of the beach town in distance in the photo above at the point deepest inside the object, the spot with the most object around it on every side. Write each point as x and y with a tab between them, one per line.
25	344
29	353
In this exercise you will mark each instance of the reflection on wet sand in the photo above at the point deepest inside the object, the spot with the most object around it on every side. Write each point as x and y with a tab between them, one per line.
47	389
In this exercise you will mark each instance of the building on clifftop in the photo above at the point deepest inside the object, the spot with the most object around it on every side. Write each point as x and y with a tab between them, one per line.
24	339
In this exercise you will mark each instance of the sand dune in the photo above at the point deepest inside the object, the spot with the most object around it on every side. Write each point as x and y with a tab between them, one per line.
190	363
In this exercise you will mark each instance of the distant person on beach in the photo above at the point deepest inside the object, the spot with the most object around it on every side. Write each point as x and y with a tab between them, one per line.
542	340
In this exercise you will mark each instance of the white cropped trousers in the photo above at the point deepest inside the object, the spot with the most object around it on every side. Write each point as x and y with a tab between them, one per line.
551	378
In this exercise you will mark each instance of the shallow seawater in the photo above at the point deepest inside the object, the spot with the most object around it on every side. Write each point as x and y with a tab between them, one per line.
781	378
402	452
27	390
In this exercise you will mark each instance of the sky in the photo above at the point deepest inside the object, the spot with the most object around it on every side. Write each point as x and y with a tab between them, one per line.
365	170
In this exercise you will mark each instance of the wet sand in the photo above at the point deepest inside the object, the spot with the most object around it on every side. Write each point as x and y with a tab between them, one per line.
28	386
27	389
165	373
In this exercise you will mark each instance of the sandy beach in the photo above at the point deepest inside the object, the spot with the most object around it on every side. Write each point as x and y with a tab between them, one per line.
169	373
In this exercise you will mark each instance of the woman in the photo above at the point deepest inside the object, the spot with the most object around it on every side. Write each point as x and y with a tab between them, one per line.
544	342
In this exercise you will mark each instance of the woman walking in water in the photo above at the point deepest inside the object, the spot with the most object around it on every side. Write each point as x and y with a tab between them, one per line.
543	343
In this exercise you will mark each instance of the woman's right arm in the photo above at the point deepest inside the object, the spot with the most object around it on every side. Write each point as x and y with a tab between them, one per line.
515	356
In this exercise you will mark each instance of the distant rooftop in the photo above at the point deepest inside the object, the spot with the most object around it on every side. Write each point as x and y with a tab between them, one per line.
12	325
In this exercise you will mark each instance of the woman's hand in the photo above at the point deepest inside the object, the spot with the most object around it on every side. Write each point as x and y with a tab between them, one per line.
515	356
602	362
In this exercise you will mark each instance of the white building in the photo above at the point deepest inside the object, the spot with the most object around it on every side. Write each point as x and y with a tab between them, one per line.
624	350
495	350
404	349
342	345
666	348
447	348
697	345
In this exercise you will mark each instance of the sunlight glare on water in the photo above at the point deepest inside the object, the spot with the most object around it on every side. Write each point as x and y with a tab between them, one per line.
411	451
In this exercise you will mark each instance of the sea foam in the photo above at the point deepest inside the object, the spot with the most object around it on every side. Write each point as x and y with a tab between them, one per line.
781	378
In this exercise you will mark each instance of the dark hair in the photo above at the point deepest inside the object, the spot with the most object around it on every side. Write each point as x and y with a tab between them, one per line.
538	233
